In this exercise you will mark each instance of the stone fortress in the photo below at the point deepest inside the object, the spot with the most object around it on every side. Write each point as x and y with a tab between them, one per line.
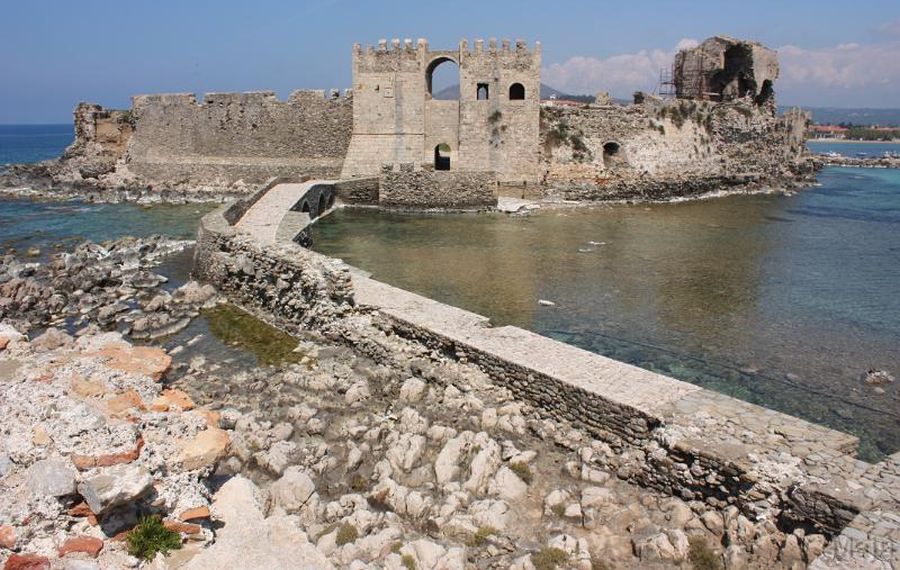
493	127
389	142
397	145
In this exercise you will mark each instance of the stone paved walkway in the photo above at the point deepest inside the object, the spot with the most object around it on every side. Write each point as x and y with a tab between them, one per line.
265	216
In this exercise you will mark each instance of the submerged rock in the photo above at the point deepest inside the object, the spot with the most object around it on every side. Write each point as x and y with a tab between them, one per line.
874	377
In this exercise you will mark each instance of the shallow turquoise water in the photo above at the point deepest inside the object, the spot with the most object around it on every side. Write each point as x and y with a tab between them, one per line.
45	225
779	300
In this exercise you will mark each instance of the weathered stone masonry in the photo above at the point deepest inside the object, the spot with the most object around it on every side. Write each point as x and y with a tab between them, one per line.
239	136
721	133
396	120
408	187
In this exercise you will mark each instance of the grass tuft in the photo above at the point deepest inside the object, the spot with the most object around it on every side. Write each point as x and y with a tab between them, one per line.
481	536
408	562
346	534
150	537
522	471
702	556
548	558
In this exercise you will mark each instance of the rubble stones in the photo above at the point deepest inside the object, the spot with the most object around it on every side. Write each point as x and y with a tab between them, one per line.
53	477
203	450
114	486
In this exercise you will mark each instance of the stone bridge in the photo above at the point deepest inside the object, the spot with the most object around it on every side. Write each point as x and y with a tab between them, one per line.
282	210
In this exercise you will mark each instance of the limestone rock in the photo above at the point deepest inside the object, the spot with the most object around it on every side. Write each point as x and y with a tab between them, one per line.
877	377
446	465
507	485
412	389
597	497
278	457
357	393
484	464
406	451
114	486
248	539
205	449
713	522
54	477
293	490
145	360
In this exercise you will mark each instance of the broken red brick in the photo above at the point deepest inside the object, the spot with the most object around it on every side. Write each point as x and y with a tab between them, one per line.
86	544
195	513
26	562
83	462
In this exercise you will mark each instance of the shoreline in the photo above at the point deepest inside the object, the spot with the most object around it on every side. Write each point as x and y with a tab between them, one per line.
842	141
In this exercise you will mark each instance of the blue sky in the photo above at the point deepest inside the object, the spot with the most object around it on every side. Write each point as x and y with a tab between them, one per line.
54	53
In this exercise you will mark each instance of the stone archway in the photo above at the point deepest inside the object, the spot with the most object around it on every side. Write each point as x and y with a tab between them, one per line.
445	64
442	157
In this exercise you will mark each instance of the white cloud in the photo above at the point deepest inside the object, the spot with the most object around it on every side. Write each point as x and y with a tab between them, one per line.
619	74
890	29
847	74
850	66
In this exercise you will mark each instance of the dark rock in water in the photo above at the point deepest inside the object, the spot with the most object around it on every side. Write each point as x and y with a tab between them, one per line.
877	377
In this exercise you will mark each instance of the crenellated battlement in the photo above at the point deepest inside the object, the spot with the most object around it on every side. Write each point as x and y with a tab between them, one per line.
520	47
300	97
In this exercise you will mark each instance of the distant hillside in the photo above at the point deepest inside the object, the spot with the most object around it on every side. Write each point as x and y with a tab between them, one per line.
857	116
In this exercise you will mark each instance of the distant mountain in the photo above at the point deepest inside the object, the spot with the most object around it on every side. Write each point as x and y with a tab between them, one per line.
857	116
451	93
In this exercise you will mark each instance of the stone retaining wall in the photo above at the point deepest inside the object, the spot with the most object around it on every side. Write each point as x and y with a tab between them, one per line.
286	280
361	191
404	186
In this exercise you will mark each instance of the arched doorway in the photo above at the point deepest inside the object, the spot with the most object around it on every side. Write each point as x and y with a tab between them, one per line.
516	92
442	79
442	157
610	152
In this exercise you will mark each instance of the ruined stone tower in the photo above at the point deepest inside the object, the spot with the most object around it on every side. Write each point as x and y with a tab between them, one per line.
725	69
493	127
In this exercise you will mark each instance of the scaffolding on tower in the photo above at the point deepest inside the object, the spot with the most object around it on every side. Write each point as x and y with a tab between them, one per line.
666	87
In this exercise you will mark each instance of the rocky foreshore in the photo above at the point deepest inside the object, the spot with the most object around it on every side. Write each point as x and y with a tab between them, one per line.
326	459
861	162
61	179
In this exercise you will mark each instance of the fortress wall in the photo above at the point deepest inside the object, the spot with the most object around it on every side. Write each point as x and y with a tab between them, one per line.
666	149
238	136
500	134
388	110
408	187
